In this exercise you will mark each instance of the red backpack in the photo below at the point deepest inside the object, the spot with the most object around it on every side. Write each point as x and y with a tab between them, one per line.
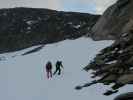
49	66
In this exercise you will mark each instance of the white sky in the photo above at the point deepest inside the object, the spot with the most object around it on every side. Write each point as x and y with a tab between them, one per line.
94	6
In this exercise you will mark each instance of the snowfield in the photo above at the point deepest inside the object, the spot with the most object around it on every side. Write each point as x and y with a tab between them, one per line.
24	77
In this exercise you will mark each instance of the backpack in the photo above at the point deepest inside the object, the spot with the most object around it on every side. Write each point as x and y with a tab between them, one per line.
58	64
48	66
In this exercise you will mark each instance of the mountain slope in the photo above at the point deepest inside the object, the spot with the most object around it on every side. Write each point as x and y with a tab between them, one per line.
24	77
25	27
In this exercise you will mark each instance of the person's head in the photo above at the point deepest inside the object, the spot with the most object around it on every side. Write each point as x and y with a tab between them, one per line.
59	61
49	62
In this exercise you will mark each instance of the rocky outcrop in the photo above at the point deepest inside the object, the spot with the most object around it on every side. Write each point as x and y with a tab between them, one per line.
24	27
125	96
116	19
113	65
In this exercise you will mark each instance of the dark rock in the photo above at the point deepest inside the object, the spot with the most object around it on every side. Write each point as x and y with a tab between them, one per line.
125	96
109	92
33	50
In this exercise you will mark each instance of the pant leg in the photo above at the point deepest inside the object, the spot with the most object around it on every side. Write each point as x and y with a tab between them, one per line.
55	71
50	72
59	71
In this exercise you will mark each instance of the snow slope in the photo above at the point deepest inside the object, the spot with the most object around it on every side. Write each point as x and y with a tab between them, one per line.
24	77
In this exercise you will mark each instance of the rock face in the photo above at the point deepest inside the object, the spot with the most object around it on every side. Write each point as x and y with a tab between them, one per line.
116	19
24	27
125	96
114	64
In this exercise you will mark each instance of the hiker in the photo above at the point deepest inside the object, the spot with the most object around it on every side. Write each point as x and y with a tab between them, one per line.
58	67
49	69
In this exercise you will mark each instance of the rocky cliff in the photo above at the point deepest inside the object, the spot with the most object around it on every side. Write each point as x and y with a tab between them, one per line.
114	65
116	20
24	27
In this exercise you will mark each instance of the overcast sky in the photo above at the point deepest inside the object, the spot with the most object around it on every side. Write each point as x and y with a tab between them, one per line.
89	6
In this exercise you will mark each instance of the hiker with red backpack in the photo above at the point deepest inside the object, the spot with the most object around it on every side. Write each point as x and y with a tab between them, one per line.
49	69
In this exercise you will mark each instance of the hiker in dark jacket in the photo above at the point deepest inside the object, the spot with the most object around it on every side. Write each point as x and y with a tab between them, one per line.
58	67
49	69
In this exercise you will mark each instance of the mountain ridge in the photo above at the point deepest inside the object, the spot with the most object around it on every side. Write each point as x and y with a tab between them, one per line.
25	27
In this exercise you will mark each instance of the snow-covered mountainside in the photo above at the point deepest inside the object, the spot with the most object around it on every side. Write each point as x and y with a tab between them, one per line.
24	77
25	27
